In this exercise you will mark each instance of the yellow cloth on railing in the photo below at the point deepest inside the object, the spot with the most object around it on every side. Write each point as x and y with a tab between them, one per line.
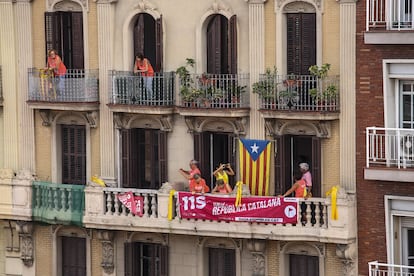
332	192
98	181
239	187
171	204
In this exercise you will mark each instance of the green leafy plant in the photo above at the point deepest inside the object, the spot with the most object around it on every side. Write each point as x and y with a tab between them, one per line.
265	87
324	91
186	88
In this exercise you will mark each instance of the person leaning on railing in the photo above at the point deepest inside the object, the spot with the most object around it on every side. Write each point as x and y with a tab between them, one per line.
143	67
55	63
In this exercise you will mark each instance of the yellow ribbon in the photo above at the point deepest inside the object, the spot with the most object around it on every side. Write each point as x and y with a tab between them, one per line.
332	192
239	187
98	181
170	204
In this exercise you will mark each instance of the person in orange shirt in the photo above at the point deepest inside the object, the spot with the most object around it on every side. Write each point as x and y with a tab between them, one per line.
198	185
221	187
143	67
54	62
299	187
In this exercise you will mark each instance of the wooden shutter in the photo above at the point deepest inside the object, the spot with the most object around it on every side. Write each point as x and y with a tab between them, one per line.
222	262
53	32
233	45
73	256
128	259
214	45
139	35
315	168
129	158
282	164
163	260
77	41
301	42
73	154
158	45
303	265
162	156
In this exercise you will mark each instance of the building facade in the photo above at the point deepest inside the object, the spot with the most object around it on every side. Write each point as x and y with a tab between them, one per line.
223	70
384	133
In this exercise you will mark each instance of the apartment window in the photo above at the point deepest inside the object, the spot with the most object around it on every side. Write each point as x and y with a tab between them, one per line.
211	149
64	33
144	158
221	45
73	141
303	265
146	259
293	150
301	42
407	104
73	256
221	262
401	13
148	39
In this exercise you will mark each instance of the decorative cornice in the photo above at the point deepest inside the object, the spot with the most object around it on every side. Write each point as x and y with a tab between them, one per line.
220	7
105	1
107	263
236	125
25	230
302	6
47	117
255	1
144	5
126	121
276	127
61	5
92	118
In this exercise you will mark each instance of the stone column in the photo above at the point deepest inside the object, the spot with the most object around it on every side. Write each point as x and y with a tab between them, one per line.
106	19
24	53
9	156
347	96
257	249
256	61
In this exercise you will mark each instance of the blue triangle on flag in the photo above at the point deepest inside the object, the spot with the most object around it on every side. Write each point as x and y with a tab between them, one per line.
254	147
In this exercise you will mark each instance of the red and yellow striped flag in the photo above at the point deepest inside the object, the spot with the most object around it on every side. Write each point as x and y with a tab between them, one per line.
255	165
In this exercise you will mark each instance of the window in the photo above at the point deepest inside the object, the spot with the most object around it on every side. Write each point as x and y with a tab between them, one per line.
146	259
73	154
212	149
301	42
408	247
221	45
221	262
148	39
407	104
303	265
144	158
401	13
64	33
73	256
294	150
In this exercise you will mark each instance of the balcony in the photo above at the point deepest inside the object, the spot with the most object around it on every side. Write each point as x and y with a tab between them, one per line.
389	154
77	90
58	203
298	97
376	268
389	22
214	95
129	93
104	210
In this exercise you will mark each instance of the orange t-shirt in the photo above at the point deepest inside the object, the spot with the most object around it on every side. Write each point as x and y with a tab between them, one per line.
53	63
198	187
141	66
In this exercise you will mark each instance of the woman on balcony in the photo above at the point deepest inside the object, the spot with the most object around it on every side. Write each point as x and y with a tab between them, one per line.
299	187
223	171
143	66
193	171
54	62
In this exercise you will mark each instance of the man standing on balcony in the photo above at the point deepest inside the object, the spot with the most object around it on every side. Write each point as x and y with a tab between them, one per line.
143	66
307	177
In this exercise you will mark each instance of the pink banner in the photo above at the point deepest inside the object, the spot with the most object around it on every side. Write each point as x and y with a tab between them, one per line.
264	209
134	203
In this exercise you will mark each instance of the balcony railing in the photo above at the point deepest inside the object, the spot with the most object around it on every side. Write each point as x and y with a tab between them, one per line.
58	203
129	89
380	269
390	147
75	86
389	15
104	210
217	91
298	93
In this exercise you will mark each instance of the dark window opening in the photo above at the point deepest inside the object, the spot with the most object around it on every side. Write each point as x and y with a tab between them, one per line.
221	262
303	265
146	259
73	256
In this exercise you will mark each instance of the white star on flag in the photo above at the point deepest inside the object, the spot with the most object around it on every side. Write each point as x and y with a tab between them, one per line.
254	148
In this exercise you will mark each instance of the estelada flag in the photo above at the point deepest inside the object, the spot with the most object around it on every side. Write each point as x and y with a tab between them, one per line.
132	202
255	165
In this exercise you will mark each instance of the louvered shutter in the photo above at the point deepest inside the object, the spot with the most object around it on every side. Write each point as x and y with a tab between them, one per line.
73	256
128	259
282	160
214	46
77	41
303	265
308	42
162	156
73	154
231	155
53	32
125	153
315	167
233	45
163	260
139	35
158	45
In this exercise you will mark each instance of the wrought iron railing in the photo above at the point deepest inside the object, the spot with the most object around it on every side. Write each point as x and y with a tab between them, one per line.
58	203
381	269
130	89
390	147
298	92
218	91
75	86
389	14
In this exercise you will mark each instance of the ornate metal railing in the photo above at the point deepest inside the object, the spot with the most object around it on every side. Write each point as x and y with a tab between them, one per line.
298	92
381	269
390	147
218	91
389	15
58	203
75	86
129	89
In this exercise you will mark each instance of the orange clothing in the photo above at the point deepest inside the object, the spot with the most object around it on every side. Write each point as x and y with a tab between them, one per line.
198	187
57	65
145	65
300	191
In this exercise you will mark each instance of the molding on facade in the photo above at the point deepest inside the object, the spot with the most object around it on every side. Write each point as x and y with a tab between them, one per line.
6	174
256	1
276	127
145	6
298	6
63	5
159	238
347	253
232	125
258	250
127	121
48	117
107	263
105	1
92	118
221	8
25	230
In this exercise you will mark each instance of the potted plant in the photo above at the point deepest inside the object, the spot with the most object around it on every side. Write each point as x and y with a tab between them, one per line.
266	87
325	93
187	91
236	92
